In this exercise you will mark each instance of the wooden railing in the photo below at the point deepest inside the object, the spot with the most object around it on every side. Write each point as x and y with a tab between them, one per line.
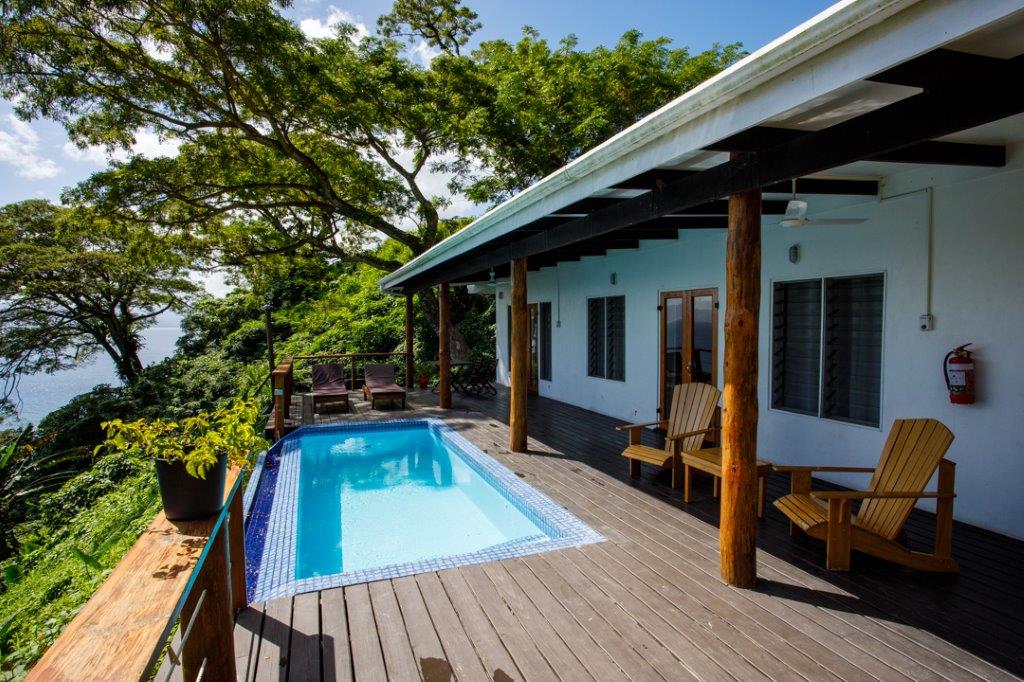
185	573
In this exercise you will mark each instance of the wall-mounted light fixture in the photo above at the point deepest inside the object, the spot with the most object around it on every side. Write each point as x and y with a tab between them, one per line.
794	253
614	278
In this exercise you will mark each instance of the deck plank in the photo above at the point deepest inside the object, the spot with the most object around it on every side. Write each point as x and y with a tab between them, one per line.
648	603
304	649
334	637
455	642
248	626
493	652
367	657
394	640
272	661
511	632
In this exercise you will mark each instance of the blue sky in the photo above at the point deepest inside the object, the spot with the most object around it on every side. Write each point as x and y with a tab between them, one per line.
36	159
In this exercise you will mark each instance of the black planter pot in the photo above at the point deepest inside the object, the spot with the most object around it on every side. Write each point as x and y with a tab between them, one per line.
187	497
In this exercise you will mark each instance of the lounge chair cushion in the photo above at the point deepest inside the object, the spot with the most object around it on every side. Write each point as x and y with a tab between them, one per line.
329	380
381	379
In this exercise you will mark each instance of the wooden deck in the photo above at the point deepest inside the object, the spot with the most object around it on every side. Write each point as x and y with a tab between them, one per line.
648	603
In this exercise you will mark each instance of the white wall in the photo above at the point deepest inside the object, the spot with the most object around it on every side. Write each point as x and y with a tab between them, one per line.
978	297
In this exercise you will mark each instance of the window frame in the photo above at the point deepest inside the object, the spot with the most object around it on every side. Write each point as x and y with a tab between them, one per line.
822	279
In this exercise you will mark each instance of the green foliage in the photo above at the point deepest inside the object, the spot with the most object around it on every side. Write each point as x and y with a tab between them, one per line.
60	566
443	24
197	441
25	475
75	283
536	108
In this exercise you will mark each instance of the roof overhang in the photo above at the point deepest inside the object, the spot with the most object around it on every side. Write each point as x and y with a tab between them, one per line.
812	102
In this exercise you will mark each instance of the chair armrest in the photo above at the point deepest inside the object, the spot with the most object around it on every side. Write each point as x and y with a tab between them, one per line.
869	495
626	427
680	436
783	468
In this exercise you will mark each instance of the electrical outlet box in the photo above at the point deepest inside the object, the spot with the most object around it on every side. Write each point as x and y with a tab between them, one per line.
926	323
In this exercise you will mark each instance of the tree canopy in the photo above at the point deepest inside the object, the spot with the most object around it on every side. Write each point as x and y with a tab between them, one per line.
74	283
327	143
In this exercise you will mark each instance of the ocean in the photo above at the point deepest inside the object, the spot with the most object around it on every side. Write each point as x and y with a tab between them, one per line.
41	394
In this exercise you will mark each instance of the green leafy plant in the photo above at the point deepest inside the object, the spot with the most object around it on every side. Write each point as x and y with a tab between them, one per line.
196	441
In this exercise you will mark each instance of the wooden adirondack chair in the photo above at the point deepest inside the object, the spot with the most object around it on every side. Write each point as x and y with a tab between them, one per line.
912	452
693	406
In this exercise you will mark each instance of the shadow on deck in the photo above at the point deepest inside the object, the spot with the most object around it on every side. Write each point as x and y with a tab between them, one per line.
648	603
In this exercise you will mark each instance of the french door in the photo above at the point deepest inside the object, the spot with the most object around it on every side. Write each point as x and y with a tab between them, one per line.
688	342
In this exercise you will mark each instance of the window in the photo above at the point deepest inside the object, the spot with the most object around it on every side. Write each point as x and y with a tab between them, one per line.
827	347
545	341
606	337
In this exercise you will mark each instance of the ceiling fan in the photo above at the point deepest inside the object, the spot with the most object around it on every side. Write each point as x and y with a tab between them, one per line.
796	215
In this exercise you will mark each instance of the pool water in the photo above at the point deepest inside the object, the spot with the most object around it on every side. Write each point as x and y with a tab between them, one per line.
343	504
378	498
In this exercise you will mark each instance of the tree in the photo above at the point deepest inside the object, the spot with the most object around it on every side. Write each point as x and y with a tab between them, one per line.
443	24
294	143
318	141
545	107
74	283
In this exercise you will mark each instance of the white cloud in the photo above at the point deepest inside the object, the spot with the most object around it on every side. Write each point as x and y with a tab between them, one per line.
19	147
327	28
147	143
424	52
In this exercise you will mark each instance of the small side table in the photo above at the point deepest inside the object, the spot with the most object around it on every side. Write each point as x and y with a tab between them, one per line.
709	460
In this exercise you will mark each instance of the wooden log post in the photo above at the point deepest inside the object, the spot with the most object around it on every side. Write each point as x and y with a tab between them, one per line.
408	341
210	645
519	359
444	354
738	520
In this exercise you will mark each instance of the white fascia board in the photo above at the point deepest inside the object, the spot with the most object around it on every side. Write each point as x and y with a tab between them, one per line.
812	60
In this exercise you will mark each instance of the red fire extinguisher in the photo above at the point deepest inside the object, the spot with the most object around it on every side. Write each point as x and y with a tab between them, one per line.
958	367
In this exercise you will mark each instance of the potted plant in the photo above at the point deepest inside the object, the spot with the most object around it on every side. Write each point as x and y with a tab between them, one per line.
192	454
423	375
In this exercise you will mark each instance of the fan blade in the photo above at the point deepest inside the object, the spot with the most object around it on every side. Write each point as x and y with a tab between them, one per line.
795	210
834	221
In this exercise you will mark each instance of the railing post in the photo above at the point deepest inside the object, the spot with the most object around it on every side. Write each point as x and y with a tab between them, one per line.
352	362
278	387
236	552
210	645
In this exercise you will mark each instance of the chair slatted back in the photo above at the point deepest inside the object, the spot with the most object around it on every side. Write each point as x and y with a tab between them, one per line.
693	406
911	455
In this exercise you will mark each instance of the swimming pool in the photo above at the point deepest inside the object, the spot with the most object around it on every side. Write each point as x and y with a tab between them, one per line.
342	504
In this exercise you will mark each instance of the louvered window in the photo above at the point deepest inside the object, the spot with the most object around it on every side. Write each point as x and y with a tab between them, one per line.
545	341
606	337
852	365
796	346
827	347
